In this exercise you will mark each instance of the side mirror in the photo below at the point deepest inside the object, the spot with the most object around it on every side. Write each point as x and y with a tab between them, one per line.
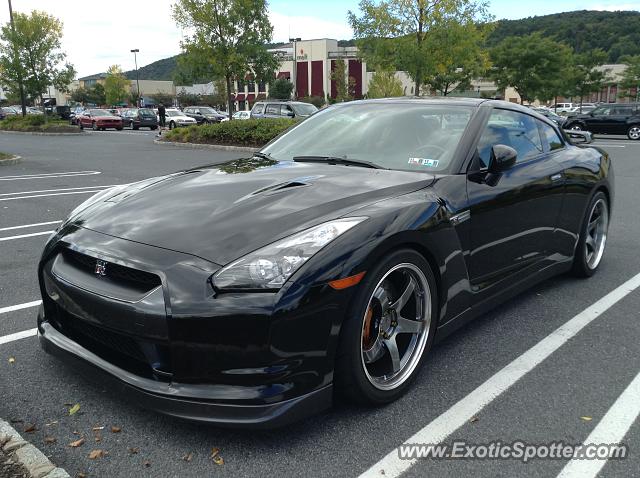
290	114
579	137
502	158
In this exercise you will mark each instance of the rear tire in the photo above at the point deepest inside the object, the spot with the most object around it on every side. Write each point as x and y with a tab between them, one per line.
634	132
172	125
593	237
385	303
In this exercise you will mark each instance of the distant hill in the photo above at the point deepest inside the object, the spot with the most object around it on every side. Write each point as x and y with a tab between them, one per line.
617	33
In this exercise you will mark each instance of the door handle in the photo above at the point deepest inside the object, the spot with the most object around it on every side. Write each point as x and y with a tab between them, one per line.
556	177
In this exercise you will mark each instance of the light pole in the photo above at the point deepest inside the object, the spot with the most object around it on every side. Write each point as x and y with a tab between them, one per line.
135	57
23	100
295	67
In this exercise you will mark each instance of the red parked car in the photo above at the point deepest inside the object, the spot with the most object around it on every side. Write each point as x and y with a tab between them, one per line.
97	119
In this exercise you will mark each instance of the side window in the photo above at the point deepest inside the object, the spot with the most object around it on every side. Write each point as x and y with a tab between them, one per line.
258	109
286	110
622	110
510	128
551	136
602	111
272	110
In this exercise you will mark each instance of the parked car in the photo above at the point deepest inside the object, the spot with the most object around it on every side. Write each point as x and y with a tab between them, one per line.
614	118
136	118
75	113
239	115
560	107
576	110
251	292
7	111
557	119
204	114
282	109
176	118
63	112
98	119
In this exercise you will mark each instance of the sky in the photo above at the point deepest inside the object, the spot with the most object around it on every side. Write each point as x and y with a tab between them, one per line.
100	33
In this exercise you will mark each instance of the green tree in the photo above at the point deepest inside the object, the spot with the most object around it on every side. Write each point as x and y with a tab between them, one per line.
96	95
281	89
80	95
394	34
384	84
631	77
458	55
344	85
584	78
188	99
534	65
39	61
163	98
116	86
227	38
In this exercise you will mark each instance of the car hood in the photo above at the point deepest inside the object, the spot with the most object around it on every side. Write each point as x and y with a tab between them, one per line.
222	212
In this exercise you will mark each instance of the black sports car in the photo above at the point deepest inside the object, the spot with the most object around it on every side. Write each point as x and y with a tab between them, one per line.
248	293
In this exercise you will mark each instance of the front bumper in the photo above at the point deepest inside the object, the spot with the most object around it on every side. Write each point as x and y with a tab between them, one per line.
180	400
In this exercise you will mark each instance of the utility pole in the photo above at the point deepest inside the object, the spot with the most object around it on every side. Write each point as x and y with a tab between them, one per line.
23	101
295	66
135	57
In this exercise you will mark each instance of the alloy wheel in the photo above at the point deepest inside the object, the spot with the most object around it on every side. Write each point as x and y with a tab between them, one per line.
634	132
596	237
576	127
396	326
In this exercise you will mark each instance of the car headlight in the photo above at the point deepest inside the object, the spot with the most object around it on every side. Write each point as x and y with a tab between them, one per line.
271	266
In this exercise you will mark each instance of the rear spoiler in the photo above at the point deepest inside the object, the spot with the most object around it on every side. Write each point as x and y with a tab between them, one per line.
579	137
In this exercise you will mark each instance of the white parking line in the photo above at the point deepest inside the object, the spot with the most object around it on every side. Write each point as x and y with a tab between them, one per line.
55	190
29	225
5	339
26	305
87	191
22	236
611	429
49	175
459	414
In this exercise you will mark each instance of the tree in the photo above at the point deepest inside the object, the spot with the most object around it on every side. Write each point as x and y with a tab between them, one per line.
163	98
116	86
394	34
96	95
281	89
631	77
227	38
344	85
384	84
534	65
584	78
80	95
188	99
39	61
458	55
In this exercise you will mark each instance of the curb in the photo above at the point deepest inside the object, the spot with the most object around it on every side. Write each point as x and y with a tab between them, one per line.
41	133
27	455
219	147
10	161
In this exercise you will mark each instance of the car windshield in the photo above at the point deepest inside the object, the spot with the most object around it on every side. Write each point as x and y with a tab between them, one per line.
401	136
146	112
304	109
100	113
207	111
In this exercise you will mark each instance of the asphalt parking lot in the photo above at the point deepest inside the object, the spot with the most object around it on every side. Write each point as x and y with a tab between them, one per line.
570	390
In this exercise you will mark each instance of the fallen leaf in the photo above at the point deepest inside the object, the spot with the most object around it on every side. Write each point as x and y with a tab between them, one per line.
474	419
75	432
116	429
49	440
134	450
97	429
30	428
96	454
586	419
77	443
12	360
218	460
73	410
214	451
81	475
188	457
52	423
146	463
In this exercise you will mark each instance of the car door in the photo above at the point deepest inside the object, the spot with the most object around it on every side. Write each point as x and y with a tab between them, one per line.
617	120
598	120
512	214
272	110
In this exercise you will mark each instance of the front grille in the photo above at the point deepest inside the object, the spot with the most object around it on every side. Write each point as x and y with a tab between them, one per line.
118	273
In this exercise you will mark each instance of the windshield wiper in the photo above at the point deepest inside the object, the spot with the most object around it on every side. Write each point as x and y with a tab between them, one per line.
336	160
260	155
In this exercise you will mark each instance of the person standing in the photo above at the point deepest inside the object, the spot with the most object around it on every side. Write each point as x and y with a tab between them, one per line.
162	113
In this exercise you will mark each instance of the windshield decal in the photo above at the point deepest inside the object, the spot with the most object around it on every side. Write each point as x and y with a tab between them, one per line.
429	163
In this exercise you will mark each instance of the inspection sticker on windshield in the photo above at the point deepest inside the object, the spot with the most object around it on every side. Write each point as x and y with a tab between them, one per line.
430	163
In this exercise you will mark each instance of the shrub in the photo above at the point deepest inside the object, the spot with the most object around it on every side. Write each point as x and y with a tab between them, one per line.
36	123
317	101
254	132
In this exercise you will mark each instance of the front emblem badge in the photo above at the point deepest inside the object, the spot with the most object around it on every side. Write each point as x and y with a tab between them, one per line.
101	268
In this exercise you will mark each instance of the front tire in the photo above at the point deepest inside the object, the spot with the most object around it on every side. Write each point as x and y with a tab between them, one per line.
593	237
634	132
388	331
94	126
172	125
